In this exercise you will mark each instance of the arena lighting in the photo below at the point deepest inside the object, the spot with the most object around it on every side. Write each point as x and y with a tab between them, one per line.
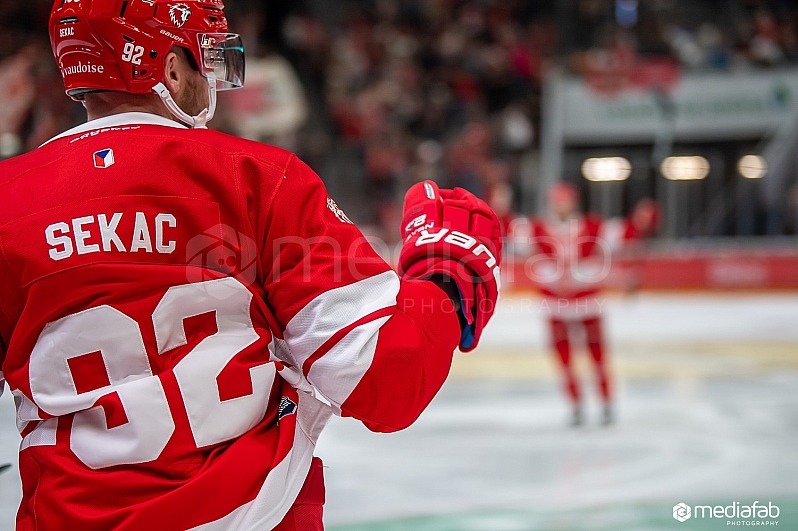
606	169
692	168
752	166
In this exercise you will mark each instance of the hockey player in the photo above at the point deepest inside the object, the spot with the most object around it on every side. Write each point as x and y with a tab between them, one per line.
572	255
181	310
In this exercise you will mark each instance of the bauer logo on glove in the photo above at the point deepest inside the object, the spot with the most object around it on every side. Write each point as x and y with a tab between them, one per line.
455	234
417	226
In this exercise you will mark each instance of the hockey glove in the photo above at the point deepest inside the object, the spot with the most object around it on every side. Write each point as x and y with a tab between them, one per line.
455	234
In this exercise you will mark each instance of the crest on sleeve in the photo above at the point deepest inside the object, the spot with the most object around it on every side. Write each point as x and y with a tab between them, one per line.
335	209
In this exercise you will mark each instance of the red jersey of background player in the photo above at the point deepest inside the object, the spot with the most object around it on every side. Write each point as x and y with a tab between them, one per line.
572	255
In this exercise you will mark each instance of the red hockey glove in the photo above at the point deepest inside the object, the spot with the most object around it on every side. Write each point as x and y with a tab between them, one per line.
453	233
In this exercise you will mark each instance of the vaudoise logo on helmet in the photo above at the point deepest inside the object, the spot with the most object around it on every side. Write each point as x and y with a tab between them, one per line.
81	68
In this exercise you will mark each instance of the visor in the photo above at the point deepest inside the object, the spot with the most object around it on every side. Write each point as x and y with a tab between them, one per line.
223	55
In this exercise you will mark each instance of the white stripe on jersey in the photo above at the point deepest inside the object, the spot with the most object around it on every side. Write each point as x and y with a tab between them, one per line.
26	410
119	120
336	309
337	373
284	481
43	435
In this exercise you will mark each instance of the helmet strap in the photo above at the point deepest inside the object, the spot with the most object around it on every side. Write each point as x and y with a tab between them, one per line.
195	122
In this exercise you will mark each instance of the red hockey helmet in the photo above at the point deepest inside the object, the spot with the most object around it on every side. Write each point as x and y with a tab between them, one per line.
120	45
563	197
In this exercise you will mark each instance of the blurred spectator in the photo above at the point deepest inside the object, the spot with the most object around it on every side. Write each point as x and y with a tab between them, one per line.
379	94
764	46
271	107
19	93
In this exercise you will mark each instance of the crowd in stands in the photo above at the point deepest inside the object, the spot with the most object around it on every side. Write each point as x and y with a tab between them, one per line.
379	94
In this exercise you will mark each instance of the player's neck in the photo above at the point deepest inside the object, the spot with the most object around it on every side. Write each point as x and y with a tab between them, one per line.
100	105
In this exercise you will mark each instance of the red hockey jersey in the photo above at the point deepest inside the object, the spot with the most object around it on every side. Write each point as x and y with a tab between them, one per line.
571	260
180	312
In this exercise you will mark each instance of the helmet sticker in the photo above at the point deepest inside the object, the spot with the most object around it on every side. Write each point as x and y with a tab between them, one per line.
179	14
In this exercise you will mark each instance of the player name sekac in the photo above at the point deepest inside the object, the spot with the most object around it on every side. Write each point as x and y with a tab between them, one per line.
94	234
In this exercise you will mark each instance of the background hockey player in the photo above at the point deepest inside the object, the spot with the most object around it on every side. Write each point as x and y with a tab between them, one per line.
572	255
181	310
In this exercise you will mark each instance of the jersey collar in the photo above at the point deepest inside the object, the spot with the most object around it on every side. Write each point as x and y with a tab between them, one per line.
116	120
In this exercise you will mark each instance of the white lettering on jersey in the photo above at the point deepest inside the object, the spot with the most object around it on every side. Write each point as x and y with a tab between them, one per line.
108	232
141	235
169	221
81	235
144	419
56	241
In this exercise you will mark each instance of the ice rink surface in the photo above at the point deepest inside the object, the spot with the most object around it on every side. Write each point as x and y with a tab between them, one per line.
707	414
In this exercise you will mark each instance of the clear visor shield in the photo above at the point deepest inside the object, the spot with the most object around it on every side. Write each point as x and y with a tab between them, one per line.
223	55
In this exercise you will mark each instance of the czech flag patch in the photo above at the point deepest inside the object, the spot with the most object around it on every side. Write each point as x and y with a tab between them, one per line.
104	158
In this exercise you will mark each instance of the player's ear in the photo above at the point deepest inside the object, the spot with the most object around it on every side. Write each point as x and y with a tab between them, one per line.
173	71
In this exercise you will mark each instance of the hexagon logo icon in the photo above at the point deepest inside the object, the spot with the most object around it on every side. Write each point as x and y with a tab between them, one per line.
682	512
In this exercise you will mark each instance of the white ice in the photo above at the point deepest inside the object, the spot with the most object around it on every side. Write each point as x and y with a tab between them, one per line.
713	418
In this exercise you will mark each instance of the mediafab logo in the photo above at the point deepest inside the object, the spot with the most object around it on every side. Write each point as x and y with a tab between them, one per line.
81	68
736	513
682	512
